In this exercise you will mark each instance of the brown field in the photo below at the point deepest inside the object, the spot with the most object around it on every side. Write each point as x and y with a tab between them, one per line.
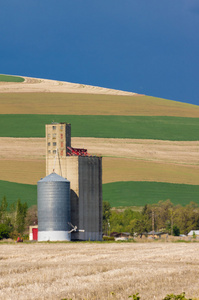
88	104
98	270
23	160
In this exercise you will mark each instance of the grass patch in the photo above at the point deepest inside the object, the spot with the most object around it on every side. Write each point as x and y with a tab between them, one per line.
134	193
10	78
14	191
119	194
135	127
181	241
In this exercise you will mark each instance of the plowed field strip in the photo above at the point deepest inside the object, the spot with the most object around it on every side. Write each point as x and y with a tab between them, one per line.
87	104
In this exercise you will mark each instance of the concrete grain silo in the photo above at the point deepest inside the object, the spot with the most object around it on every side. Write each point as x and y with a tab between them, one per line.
54	212
85	174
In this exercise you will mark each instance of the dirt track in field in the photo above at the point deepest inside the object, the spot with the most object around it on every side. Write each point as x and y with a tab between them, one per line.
98	270
22	160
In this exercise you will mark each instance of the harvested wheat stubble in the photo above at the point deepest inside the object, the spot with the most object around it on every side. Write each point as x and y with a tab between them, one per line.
96	270
114	169
83	99
123	169
178	152
22	171
31	85
23	159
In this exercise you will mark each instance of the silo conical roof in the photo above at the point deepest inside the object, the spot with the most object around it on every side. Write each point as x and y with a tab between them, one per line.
53	177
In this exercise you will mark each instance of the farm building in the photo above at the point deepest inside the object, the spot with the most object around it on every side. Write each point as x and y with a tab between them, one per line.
84	172
193	232
33	233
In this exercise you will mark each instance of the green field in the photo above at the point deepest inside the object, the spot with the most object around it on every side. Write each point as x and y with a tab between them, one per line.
14	191
10	78
135	127
130	193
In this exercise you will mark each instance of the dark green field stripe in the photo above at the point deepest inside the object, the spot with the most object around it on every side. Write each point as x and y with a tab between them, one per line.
129	193
136	127
134	193
14	191
10	78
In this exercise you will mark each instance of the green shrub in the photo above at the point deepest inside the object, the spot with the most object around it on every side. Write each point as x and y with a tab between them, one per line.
176	230
135	296
4	231
176	297
108	238
194	235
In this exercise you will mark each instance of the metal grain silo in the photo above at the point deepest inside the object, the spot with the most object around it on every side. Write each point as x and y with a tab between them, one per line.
53	199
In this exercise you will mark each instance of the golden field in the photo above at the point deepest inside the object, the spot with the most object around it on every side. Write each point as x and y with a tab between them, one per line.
98	270
23	159
93	104
57	97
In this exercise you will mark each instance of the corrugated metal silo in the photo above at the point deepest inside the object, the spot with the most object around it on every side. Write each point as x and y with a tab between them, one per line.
53	199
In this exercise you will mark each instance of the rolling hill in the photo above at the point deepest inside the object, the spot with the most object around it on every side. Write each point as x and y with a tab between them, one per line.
143	139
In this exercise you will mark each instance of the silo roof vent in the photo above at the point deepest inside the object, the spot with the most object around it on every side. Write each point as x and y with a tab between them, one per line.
53	177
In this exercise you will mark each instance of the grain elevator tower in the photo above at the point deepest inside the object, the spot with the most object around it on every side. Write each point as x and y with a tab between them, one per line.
85	175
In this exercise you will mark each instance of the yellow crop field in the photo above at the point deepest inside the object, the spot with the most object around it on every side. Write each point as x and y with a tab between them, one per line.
98	270
123	169
114	169
22	160
93	104
22	171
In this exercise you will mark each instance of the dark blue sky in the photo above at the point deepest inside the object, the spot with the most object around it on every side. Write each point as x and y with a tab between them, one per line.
144	46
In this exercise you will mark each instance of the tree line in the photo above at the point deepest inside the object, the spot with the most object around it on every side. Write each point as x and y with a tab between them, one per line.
13	219
163	216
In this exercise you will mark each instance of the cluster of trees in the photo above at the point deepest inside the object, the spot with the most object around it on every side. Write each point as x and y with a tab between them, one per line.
163	216
12	220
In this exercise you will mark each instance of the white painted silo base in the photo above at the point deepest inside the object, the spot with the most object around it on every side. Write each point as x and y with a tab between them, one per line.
44	236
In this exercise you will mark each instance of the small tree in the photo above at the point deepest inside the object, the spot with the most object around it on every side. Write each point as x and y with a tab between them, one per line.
32	216
3	210
176	230
21	211
106	215
4	231
194	235
141	225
